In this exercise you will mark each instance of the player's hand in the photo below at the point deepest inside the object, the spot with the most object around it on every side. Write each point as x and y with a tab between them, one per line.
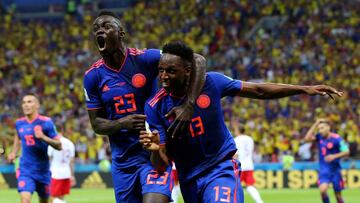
182	115
329	158
319	120
322	90
11	157
150	141
134	122
72	181
38	132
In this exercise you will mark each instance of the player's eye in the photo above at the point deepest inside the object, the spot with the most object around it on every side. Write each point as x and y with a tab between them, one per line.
108	26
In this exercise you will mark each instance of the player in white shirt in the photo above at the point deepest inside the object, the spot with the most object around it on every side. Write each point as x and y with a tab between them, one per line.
245	150
62	170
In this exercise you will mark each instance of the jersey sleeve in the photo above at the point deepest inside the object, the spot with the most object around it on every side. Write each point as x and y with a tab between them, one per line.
91	91
155	123
224	84
152	58
343	146
50	129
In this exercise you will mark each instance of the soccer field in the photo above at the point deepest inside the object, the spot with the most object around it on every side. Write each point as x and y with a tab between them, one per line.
269	196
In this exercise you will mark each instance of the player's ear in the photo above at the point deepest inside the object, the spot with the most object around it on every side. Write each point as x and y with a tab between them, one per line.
187	71
121	33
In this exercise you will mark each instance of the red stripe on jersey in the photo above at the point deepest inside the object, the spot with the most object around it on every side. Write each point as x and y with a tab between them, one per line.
43	118
157	98
90	109
157	95
334	135
97	64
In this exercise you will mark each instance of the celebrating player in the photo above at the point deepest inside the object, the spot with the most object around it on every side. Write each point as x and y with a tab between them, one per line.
203	155
62	169
35	132
331	148
245	150
116	88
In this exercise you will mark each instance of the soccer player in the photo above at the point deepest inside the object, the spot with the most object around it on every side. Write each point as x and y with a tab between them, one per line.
116	88
245	150
331	148
35	132
62	169
203	155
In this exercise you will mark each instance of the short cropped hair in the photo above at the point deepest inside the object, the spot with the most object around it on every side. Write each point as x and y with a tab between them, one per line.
32	94
108	13
179	49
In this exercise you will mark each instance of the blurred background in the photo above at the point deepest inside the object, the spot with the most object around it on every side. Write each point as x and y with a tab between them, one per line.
46	46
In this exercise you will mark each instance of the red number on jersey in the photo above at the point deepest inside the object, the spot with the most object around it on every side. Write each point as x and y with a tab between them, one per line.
129	99
29	140
155	178
226	192
198	128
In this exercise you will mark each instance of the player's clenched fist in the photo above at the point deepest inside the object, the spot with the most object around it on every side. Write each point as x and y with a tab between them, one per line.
150	141
38	132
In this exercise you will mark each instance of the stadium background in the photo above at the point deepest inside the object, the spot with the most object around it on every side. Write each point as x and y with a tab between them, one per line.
46	46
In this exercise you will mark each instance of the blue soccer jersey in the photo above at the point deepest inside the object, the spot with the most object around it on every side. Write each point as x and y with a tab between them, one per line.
34	160
120	93
327	146
208	141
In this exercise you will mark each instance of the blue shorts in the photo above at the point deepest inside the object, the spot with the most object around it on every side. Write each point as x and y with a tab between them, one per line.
335	178
130	184
27	183
221	183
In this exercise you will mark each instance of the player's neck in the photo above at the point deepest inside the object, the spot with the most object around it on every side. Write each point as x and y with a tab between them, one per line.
32	116
116	60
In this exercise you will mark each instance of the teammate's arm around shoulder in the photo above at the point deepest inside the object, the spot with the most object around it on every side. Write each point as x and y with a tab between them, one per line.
310	134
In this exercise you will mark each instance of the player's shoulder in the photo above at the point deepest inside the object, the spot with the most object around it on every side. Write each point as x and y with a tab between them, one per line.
144	54
136	51
154	100
20	120
94	66
335	136
44	118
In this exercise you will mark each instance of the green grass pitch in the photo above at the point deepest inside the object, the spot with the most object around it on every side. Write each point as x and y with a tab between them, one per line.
269	196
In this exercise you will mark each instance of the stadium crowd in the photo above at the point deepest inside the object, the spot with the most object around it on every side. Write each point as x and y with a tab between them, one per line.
321	45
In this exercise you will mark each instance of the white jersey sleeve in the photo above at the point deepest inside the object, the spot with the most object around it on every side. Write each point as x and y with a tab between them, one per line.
245	150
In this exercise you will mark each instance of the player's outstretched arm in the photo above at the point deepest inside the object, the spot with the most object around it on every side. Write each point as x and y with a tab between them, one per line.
108	127
184	112
16	145
275	91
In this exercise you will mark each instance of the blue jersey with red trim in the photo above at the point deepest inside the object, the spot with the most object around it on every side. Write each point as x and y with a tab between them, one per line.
34	158
208	140
327	146
121	93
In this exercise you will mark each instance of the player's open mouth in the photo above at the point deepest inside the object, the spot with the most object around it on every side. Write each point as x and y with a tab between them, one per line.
101	43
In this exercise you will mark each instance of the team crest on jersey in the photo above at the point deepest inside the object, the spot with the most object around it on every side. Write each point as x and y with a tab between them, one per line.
21	183
138	80
21	130
329	145
203	101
